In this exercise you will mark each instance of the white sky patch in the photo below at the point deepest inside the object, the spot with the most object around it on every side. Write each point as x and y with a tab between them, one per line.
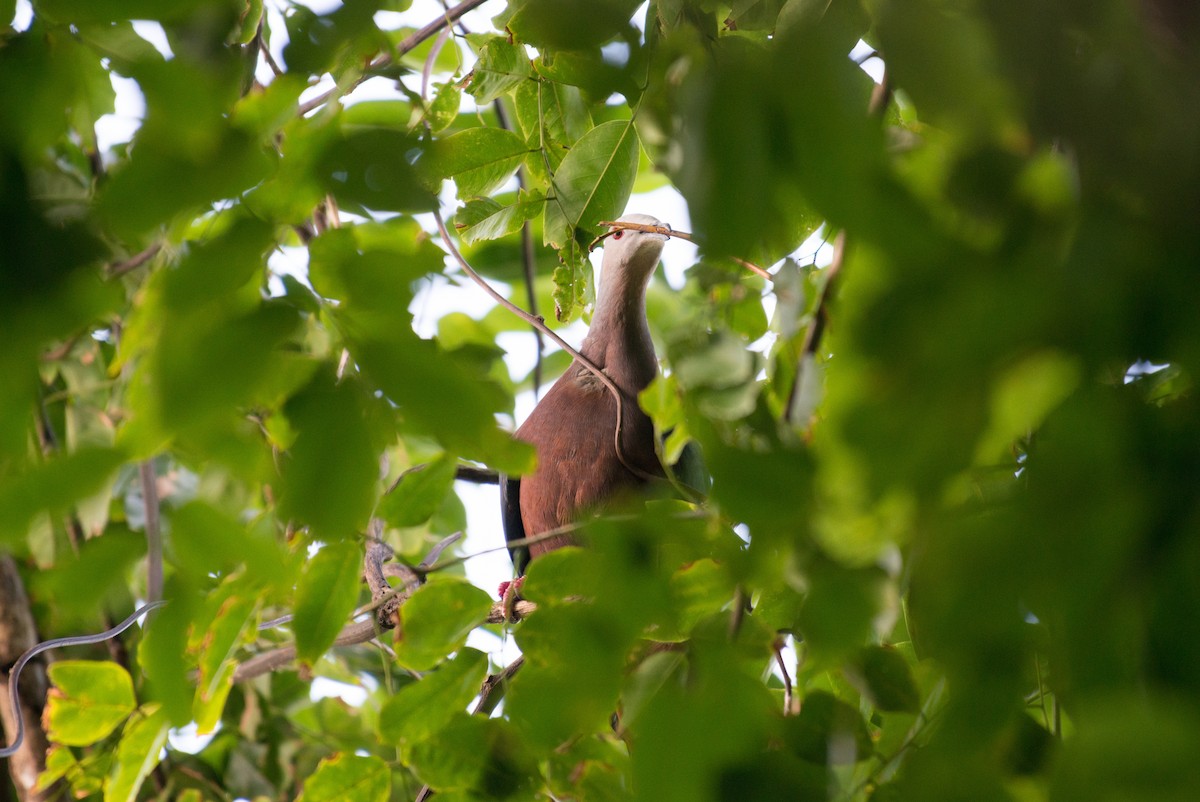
129	109
872	66
24	15
188	739
325	688
153	33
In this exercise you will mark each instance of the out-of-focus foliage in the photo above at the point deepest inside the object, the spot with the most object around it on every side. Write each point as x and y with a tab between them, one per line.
977	521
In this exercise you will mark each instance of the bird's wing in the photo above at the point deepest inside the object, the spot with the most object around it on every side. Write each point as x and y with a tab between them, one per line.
514	526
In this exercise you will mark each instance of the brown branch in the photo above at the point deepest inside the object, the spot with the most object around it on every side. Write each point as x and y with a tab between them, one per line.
408	44
266	51
116	269
485	704
520	609
789	698
18	633
540	324
480	476
667	231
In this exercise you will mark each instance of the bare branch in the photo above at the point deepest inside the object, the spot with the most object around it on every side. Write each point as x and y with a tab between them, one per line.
134	262
409	43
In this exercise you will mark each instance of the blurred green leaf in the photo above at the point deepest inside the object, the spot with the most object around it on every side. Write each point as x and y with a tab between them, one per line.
883	676
422	708
827	731
329	421
354	778
479	159
137	754
483	756
325	597
53	486
419	493
230	627
569	24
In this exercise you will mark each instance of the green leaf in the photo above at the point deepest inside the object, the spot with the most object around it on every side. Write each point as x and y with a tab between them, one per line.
839	608
352	778
325	597
369	169
883	676
163	653
570	24
443	109
826	722
419	493
53	486
593	182
422	708
137	754
329	421
230	628
486	219
501	66
475	754
479	159
88	701
553	116
436	621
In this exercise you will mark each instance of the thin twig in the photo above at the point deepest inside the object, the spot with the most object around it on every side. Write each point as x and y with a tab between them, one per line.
408	44
134	262
789	698
266	52
494	681
540	324
617	225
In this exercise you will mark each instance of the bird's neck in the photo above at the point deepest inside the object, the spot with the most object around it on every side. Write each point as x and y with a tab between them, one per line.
619	338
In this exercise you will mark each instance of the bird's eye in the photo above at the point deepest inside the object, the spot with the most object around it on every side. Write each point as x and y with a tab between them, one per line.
620	232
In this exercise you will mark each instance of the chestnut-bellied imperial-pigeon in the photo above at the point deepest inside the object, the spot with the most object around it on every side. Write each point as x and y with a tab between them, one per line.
574	426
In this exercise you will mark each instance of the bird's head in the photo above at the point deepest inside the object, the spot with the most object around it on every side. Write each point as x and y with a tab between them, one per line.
634	250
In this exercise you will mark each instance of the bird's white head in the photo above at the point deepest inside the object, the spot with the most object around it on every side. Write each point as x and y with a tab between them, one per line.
634	251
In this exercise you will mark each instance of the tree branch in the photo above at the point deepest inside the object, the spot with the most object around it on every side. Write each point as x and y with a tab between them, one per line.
667	231
409	43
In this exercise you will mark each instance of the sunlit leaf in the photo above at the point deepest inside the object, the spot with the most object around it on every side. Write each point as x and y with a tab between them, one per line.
88	701
354	778
325	597
436	620
422	708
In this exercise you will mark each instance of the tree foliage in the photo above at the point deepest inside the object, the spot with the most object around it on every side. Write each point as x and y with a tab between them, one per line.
955	469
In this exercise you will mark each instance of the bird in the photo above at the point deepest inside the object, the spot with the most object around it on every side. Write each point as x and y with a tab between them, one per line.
574	426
